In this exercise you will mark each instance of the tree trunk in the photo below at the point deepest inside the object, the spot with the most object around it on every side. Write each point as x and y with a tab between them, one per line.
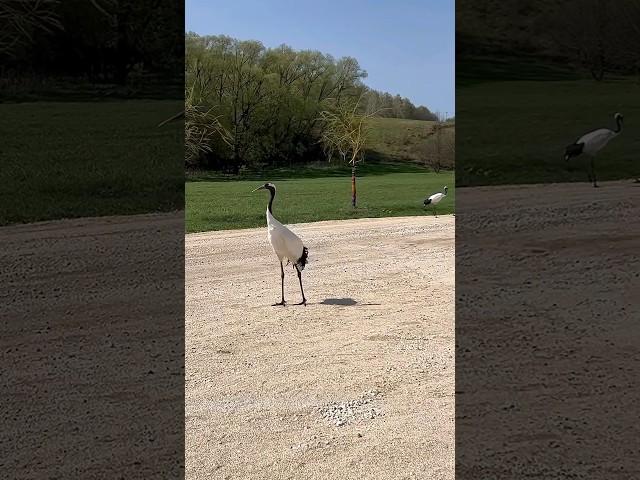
597	72
438	138
353	186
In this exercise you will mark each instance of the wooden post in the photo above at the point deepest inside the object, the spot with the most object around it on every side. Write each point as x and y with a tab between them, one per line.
353	186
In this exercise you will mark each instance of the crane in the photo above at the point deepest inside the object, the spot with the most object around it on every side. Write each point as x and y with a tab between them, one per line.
591	143
286	244
435	199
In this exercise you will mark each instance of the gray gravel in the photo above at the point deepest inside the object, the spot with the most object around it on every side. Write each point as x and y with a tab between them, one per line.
365	407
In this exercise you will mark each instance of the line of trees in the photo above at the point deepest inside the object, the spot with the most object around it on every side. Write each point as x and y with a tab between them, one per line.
267	102
394	106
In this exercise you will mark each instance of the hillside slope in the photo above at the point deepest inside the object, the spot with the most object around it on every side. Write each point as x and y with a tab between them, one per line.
394	139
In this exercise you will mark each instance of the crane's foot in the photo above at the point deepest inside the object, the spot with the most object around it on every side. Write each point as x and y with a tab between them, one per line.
303	302
280	304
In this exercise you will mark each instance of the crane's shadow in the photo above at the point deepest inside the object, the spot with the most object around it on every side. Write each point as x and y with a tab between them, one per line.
344	302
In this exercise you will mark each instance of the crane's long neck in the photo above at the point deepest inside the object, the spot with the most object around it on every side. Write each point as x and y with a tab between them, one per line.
618	125
272	191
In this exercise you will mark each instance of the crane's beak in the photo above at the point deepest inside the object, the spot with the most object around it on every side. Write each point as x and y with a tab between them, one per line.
261	187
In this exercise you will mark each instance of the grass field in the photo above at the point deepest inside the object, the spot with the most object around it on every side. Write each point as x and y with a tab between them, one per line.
76	159
391	182
228	205
521	138
217	205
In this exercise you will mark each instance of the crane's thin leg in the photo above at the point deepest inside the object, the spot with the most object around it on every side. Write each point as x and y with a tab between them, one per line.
282	281
593	173
304	300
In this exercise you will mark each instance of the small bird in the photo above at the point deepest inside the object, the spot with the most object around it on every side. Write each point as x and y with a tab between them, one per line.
435	199
591	143
286	244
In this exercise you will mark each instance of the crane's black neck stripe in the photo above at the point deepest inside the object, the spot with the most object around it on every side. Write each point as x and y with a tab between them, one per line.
618	124
272	191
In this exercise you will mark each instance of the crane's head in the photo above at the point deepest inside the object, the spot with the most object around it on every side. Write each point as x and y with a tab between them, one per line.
267	186
445	190
618	117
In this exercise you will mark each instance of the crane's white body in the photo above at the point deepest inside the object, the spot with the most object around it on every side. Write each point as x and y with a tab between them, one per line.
436	197
286	244
596	140
591	143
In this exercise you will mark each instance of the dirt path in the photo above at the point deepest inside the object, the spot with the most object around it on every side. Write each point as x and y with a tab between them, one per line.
91	347
547	330
376	341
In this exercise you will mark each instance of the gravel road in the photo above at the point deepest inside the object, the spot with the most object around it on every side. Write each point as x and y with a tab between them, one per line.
547	331
91	326
357	385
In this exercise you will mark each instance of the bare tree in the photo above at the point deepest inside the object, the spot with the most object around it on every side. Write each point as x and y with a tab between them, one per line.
201	128
22	20
346	133
589	34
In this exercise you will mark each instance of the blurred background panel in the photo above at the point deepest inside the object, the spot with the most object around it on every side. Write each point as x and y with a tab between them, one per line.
546	264
92	228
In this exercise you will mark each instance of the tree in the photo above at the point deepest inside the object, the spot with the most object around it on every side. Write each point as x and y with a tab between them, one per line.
588	37
23	21
346	133
201	128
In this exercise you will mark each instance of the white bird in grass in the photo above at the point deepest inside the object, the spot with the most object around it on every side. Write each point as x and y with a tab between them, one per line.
435	199
286	244
591	143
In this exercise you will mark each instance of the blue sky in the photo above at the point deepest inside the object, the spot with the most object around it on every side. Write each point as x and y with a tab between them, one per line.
406	46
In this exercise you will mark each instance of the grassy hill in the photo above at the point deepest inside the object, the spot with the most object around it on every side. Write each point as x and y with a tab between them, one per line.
395	139
398	139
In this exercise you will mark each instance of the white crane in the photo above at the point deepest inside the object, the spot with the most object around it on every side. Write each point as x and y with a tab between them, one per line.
591	143
435	199
286	244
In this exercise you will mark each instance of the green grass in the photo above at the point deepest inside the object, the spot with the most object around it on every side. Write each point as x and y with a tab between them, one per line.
391	182
320	169
218	205
516	132
394	139
77	159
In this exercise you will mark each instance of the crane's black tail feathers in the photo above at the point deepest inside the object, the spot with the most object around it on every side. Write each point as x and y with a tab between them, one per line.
302	261
573	150
427	201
